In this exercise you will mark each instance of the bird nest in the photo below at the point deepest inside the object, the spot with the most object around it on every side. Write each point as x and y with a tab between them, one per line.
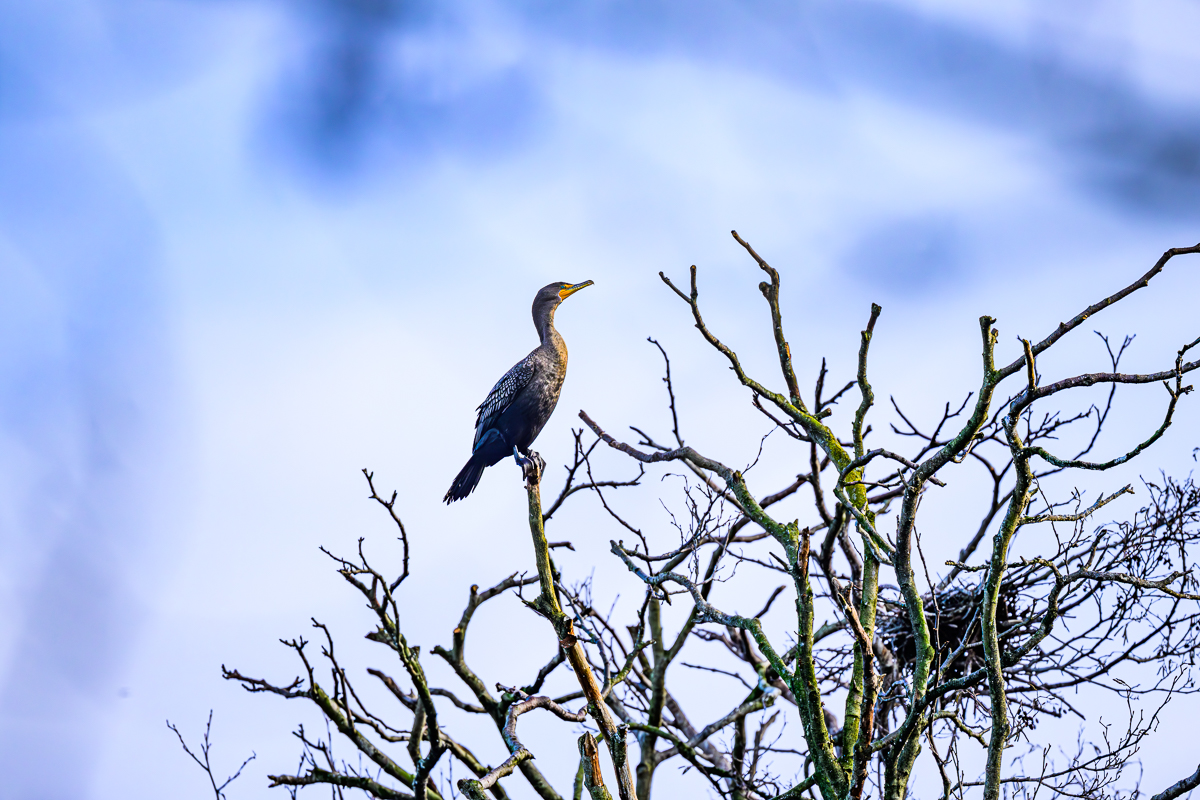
952	619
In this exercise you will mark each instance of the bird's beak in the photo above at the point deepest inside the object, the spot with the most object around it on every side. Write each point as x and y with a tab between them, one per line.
563	294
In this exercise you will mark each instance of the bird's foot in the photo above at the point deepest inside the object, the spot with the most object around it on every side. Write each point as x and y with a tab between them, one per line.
532	466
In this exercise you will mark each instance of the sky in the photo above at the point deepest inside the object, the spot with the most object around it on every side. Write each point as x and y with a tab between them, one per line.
250	247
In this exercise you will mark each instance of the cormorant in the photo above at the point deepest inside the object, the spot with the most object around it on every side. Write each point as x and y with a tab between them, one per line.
522	401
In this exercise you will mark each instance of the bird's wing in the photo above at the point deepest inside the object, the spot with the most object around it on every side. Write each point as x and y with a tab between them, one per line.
502	395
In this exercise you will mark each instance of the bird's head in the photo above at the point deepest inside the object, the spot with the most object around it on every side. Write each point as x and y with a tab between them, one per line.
550	296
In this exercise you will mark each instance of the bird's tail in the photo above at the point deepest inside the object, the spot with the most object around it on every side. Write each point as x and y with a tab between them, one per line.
467	480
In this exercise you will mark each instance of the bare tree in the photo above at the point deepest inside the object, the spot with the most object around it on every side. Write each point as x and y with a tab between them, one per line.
917	660
204	760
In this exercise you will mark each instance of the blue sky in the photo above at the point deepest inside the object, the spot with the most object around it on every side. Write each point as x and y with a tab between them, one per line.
248	248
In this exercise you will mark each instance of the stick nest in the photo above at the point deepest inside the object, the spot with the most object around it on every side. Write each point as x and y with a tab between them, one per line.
953	618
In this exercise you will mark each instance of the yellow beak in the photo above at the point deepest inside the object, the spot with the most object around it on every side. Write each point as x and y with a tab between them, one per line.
563	294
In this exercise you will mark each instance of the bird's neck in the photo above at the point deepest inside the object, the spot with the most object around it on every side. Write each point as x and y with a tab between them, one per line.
551	340
545	327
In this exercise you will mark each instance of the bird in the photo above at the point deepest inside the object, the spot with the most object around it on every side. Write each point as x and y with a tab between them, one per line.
521	402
